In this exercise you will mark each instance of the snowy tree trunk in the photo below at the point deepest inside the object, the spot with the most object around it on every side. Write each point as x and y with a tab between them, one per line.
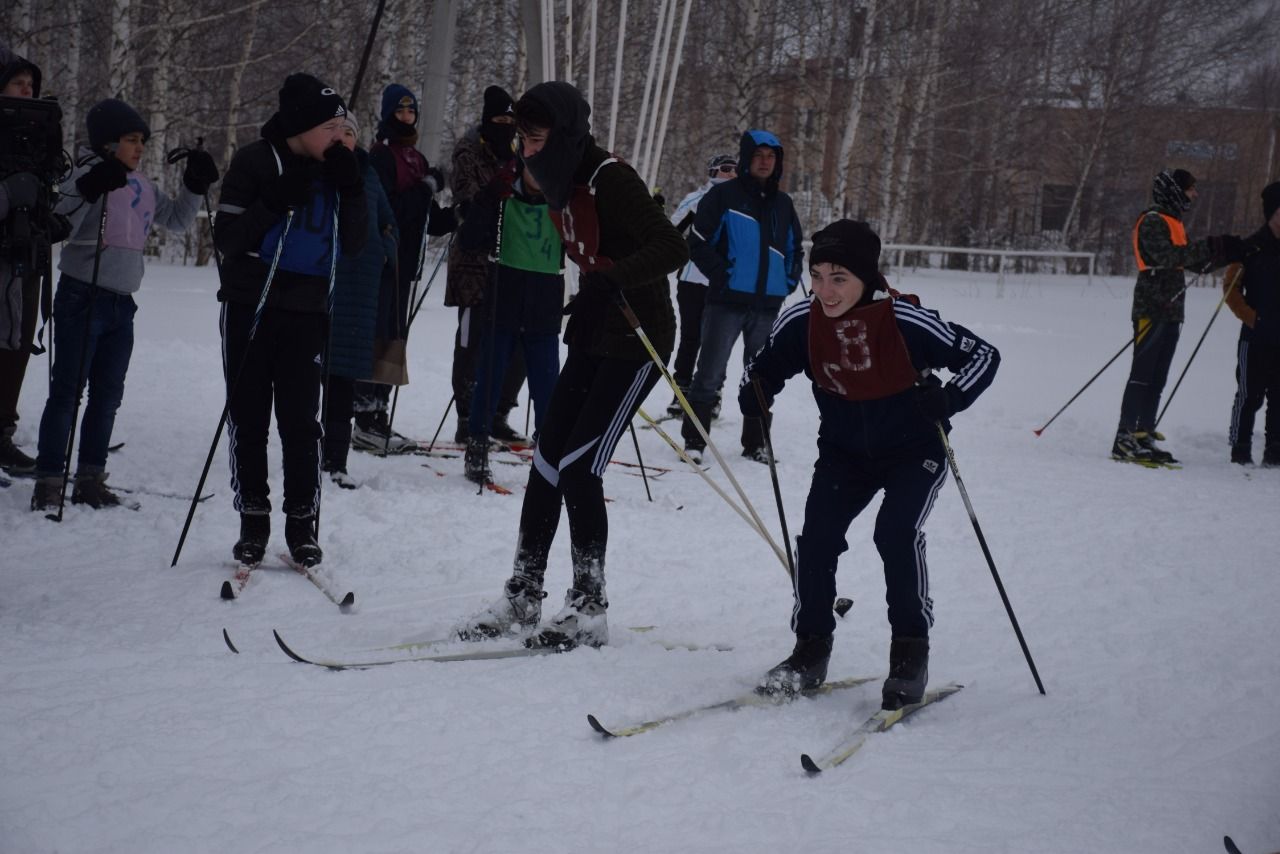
926	90
234	84
856	97
121	64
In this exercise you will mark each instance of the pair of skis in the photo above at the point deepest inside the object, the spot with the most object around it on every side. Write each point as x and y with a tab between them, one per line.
234	586
848	744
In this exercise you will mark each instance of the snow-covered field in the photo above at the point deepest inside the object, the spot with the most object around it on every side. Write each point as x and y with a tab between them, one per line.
1148	599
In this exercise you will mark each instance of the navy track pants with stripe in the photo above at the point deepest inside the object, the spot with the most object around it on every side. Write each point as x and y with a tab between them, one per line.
593	403
843	486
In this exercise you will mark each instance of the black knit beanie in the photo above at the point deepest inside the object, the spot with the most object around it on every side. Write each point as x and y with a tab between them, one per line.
852	245
305	102
497	103
111	119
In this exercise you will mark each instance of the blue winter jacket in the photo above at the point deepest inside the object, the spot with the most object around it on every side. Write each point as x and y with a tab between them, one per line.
357	284
746	238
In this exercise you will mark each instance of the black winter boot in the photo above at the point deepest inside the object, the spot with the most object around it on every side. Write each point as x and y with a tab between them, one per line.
803	670
12	459
908	672
1242	455
47	494
300	536
505	433
255	533
476	462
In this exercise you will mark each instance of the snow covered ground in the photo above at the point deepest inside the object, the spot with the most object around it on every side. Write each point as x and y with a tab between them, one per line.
1148	599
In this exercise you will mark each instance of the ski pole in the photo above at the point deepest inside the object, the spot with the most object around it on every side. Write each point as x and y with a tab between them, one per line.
436	269
395	392
324	370
235	383
634	322
643	474
1126	346
84	360
675	446
440	426
986	552
773	472
1226	293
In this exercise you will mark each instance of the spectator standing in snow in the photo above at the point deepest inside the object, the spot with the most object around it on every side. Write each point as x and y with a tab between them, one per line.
1255	300
411	185
294	198
94	317
480	160
691	284
356	289
746	239
623	244
869	362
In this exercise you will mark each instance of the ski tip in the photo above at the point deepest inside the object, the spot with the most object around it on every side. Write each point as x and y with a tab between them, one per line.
348	601
285	647
228	592
809	765
226	637
599	727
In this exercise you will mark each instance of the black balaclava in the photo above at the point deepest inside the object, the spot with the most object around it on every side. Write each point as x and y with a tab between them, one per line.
569	134
498	135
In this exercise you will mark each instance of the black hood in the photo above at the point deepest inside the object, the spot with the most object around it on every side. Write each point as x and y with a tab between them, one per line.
570	134
751	140
11	64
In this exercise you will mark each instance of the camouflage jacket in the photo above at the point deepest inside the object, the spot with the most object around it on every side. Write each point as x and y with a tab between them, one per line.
1158	294
474	165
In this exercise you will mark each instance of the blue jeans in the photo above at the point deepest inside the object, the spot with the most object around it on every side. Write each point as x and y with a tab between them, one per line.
542	364
721	325
109	318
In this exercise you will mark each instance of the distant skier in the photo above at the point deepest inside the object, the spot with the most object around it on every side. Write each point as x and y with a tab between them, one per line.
1162	251
622	243
869	362
1256	301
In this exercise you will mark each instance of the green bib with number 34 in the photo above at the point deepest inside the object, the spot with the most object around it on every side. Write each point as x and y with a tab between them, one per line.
529	240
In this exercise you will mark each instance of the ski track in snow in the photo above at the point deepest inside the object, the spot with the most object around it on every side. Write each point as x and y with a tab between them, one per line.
1148	599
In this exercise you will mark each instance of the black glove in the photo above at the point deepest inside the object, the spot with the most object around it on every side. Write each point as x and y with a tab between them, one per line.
1265	330
105	176
434	179
200	173
589	310
22	189
1227	249
341	169
292	189
933	402
599	285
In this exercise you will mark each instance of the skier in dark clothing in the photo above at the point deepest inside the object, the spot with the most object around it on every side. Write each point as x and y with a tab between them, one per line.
411	185
623	244
1255	300
1162	251
870	364
290	203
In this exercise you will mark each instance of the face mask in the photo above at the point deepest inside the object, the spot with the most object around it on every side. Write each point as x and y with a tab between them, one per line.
499	136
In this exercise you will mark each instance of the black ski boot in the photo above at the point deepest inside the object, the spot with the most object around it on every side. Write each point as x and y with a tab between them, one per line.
1271	454
1242	455
12	459
91	490
476	463
255	532
300	536
908	673
803	670
505	433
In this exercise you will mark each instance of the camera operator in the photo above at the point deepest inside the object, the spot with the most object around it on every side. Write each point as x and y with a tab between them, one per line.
26	223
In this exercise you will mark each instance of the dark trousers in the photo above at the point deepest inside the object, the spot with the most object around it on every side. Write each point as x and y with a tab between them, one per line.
1257	380
541	359
593	402
1152	355
842	487
13	363
722	323
691	298
109	318
282	367
340	394
467	343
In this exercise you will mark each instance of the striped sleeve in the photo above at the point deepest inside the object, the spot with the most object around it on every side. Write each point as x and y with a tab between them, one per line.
935	343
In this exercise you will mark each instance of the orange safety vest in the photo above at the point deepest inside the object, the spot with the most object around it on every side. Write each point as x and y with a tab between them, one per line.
1177	231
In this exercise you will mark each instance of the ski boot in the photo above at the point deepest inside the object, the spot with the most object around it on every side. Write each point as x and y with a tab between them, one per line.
1158	454
12	459
583	621
1128	449
908	673
373	434
503	432
91	490
300	536
1271	455
47	494
1242	455
518	610
338	474
476	461
803	670
255	532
